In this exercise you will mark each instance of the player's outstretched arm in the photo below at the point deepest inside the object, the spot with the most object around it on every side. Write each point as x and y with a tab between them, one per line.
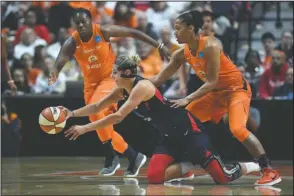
66	52
120	31
87	110
177	59
144	89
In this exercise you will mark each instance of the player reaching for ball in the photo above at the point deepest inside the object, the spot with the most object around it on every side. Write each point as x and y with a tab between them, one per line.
224	89
91	48
182	136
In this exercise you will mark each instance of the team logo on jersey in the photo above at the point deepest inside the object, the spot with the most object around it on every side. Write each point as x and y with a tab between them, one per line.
97	39
92	59
200	54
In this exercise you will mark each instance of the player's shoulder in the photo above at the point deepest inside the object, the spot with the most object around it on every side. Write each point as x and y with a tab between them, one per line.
212	42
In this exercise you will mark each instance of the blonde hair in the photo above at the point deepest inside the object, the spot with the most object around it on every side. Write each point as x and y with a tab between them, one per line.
128	62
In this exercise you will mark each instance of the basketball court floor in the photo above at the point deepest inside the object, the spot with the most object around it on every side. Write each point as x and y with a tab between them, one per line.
79	176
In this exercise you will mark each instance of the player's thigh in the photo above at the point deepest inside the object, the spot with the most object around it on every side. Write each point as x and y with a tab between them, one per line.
102	90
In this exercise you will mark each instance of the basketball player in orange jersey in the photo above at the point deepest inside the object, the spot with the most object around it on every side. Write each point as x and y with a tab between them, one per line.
90	46
224	89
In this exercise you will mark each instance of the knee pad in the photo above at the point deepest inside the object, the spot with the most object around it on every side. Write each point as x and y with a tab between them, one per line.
220	173
240	132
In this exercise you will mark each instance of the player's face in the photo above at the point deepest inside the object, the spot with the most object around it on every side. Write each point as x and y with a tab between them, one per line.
182	31
82	23
116	76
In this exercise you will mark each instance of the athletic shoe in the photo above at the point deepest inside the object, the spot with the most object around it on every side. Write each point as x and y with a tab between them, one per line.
269	177
186	176
134	167
111	168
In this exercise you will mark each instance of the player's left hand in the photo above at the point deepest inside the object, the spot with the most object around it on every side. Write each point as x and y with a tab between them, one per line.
75	131
179	103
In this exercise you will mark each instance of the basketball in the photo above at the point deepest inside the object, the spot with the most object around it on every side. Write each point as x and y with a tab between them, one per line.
52	120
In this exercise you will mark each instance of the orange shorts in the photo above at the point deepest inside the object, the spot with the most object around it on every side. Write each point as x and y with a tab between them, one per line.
214	105
95	94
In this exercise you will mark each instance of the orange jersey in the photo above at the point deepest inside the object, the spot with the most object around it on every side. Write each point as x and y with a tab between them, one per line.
95	57
230	78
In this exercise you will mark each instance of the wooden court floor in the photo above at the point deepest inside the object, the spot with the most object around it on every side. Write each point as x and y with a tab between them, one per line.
79	176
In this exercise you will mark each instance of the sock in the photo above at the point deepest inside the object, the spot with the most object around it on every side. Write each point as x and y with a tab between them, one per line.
109	152
251	167
130	153
263	161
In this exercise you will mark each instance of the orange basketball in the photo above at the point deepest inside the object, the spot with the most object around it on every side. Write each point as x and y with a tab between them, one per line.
52	120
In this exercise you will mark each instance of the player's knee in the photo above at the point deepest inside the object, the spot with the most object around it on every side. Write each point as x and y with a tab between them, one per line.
155	175
240	132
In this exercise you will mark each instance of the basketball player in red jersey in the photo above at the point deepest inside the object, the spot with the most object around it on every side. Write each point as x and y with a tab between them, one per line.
224	89
90	46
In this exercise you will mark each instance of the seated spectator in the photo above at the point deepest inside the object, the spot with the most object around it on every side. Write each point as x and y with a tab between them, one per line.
124	15
145	26
151	62
21	81
29	41
268	41
103	14
285	91
31	22
253	69
39	55
275	76
42	80
54	48
286	46
28	64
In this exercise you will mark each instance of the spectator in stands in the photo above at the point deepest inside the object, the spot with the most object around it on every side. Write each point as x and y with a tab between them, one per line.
253	70
285	91
39	55
160	15
32	73
42	79
21	81
29	41
145	26
275	76
10	16
31	22
103	15
124	15
151	62
268	41
54	48
286	46
208	21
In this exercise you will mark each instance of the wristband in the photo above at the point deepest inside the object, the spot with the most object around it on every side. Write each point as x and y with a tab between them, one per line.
160	46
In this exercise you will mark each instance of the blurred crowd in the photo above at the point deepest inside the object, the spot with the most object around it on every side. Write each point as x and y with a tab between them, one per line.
35	32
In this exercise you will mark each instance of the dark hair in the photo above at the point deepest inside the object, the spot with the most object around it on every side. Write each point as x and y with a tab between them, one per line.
268	35
82	11
128	62
252	52
193	18
208	13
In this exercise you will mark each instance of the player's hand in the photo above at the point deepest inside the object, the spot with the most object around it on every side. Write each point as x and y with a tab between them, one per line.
164	51
75	131
53	75
68	113
179	103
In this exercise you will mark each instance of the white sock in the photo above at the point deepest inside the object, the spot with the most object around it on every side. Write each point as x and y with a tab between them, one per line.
186	167
251	167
